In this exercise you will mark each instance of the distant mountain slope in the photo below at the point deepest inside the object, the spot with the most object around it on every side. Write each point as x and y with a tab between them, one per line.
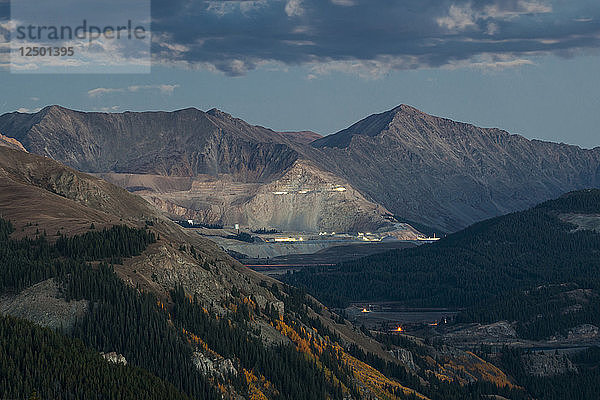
302	137
199	165
182	143
51	197
46	174
421	168
448	174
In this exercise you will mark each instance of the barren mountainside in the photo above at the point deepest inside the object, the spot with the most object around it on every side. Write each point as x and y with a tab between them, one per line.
305	198
182	143
310	199
421	168
11	142
196	165
449	174
302	137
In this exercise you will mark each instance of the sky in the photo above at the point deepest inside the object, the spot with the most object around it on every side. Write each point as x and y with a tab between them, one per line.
527	66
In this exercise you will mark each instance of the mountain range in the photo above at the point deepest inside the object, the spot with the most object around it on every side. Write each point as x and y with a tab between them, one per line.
400	165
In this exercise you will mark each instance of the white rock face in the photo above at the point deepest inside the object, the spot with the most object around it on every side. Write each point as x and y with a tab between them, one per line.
405	357
220	367
43	304
115	358
260	301
542	364
264	304
279	306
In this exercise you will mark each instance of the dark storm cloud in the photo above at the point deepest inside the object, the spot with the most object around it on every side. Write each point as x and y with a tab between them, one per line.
234	36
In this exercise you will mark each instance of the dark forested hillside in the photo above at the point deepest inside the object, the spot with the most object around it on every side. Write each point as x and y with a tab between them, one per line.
29	261
579	385
38	363
120	320
503	268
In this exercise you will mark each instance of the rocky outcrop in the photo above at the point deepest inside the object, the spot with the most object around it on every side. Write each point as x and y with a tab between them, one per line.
114	358
12	143
209	279
543	364
583	332
266	306
43	304
218	367
405	357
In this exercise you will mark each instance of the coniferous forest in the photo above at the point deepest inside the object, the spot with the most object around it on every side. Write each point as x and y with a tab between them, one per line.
131	323
120	319
40	363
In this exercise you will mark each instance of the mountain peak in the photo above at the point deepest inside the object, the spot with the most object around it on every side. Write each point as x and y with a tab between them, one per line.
188	109
405	108
371	126
215	112
403	118
53	108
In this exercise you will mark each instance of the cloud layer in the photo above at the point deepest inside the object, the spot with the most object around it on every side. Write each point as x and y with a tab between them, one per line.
372	36
162	88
